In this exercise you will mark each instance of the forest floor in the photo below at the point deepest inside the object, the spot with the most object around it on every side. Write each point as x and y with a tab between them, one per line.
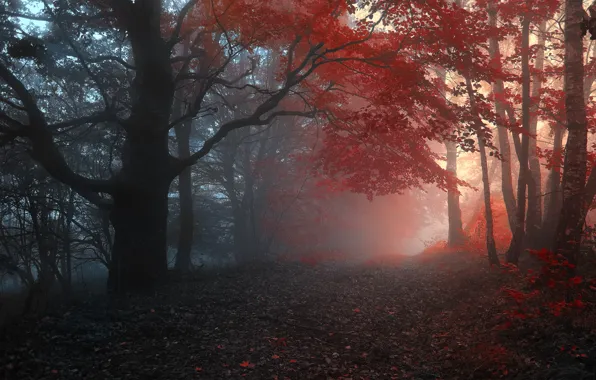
419	319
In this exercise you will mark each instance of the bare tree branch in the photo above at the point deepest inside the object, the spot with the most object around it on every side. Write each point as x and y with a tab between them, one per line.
103	58
224	130
45	151
175	37
96	118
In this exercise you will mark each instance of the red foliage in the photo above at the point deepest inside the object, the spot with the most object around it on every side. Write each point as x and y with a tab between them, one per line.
552	286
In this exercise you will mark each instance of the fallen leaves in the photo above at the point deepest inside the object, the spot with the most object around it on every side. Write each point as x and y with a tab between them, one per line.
247	364
314	331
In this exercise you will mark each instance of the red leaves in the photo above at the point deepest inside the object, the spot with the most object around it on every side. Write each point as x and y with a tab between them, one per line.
556	287
246	364
516	295
576	280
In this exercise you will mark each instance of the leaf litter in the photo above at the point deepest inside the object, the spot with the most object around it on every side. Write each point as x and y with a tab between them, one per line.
424	319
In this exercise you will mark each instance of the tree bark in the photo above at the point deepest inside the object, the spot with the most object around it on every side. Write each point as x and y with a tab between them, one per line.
591	183
534	218
553	198
517	242
490	238
139	217
504	146
570	226
140	211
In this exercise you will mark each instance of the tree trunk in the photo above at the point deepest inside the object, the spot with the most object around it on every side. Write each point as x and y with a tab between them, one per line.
504	146
229	154
139	259
591	183
534	218
570	226
491	248
456	236
456	233
553	199
140	194
186	218
517	242
248	199
67	254
140	212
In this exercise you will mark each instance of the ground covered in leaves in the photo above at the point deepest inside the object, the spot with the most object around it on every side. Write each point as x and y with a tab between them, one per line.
437	319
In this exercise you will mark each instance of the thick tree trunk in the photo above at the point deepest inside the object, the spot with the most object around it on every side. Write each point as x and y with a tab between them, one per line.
139	259
140	194
534	218
140	212
570	226
186	218
518	240
504	146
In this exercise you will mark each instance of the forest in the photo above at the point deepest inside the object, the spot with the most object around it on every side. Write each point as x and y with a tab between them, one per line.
297	189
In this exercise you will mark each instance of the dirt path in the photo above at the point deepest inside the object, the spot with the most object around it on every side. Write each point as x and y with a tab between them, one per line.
291	321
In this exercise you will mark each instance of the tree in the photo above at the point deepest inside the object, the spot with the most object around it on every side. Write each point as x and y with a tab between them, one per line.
519	233
571	221
534	219
504	146
137	196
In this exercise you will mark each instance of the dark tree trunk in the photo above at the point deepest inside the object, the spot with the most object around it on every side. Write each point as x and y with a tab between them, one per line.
534	219
504	146
518	240
570	226
140	212
139	259
186	219
66	236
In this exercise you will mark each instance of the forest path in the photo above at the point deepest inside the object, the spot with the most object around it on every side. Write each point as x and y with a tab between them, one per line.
421	319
